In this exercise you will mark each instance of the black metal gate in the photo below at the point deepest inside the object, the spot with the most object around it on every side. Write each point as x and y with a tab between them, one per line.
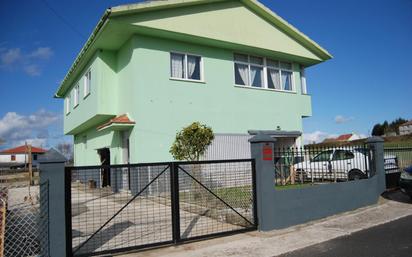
154	204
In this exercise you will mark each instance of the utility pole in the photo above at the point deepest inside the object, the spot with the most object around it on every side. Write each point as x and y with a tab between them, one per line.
30	164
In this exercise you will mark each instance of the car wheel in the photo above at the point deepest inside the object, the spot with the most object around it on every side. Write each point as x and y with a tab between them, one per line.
355	175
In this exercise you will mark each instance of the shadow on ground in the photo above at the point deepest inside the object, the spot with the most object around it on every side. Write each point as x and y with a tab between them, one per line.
397	196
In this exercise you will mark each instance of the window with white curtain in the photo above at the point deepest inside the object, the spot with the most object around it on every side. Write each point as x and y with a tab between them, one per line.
186	66
68	104
87	83
259	72
76	95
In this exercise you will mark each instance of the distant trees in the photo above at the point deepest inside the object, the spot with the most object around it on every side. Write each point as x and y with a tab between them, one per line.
386	127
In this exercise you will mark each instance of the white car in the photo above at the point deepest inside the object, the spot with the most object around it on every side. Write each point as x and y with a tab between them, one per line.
340	164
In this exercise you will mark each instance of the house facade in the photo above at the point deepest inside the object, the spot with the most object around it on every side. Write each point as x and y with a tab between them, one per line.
18	156
150	69
405	128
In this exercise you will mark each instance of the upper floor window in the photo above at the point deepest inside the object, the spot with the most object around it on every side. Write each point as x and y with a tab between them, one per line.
76	95
12	157
186	66
68	104
87	83
261	72
303	80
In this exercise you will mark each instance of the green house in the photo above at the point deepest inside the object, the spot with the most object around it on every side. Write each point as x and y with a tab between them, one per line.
149	69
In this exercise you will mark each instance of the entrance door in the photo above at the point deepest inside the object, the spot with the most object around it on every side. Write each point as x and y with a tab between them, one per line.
105	162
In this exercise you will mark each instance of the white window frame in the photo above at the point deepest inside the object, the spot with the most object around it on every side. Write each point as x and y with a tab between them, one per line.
87	83
265	85
76	95
303	81
68	104
186	74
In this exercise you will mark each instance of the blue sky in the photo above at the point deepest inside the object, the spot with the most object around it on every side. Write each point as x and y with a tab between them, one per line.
367	81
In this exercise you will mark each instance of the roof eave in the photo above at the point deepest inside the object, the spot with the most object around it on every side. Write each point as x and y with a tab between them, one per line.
92	38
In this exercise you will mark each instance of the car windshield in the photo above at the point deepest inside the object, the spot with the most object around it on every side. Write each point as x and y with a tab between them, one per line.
323	156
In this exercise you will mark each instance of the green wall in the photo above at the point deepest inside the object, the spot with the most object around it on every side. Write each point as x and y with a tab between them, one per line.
137	82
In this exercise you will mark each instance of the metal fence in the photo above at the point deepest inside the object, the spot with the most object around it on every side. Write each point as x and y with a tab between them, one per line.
310	165
24	212
123	207
396	159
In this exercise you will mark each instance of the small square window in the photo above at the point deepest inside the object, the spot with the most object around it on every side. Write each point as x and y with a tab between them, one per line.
184	66
12	157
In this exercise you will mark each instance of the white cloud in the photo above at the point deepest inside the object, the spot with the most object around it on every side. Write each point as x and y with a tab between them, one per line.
15	128
41	53
10	56
316	137
30	63
340	119
32	70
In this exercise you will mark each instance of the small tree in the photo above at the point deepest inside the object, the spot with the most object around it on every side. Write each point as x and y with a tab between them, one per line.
191	142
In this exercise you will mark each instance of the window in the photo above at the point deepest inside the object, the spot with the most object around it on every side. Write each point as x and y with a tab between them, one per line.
87	83
303	80
76	95
340	155
258	72
323	156
34	157
13	157
185	66
68	104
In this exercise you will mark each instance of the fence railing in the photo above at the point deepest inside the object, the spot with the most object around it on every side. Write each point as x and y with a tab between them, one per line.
310	165
396	160
24	225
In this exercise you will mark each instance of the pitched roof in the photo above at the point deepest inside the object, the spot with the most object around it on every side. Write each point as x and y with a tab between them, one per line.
22	150
148	6
406	123
121	119
344	137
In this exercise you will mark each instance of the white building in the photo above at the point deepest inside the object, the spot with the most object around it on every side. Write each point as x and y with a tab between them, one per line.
19	155
405	128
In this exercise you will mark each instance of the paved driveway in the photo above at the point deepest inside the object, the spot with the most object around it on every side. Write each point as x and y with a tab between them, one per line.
145	220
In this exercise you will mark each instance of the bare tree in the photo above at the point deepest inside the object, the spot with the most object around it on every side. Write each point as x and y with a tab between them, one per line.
66	149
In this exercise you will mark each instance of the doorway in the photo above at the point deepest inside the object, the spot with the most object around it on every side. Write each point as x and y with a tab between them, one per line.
105	162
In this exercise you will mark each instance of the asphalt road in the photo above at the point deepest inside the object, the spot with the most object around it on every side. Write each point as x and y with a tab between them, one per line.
387	240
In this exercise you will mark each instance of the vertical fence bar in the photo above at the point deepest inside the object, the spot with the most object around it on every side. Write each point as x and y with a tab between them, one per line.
174	187
255	214
68	210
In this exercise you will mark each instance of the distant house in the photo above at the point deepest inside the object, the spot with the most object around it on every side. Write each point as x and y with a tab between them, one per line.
19	155
343	138
405	128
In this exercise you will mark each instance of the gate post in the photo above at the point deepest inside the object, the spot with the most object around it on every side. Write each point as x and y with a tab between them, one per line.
377	162
174	187
51	166
261	148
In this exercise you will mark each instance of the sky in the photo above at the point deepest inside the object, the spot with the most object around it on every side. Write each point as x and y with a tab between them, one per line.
368	80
